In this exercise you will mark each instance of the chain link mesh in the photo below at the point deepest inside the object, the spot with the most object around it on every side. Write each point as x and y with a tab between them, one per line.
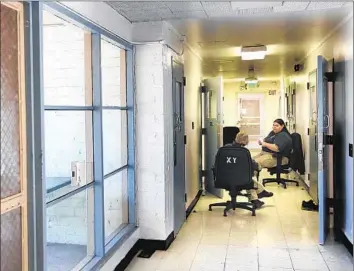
10	134
11	241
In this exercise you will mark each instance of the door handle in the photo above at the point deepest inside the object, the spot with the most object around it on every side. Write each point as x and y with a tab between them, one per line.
316	143
328	119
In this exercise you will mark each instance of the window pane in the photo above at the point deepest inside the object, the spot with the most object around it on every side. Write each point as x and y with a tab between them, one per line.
115	204
70	231
64	62
11	240
114	139
68	151
10	132
113	67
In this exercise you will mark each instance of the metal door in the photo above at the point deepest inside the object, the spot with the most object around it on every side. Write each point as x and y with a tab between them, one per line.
213	115
323	131
178	145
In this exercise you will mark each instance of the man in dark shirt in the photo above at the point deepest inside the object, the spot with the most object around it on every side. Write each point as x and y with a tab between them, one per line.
259	191
278	141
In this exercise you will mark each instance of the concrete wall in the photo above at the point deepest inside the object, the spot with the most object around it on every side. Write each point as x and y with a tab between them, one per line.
152	185
338	45
192	114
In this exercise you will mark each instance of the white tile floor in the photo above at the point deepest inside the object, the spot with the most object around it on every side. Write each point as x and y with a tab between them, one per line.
281	237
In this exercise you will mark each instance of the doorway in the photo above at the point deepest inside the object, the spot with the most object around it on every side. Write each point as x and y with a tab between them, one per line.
250	117
179	187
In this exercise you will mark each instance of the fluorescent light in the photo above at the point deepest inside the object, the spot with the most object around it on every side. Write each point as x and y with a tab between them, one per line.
251	80
253	53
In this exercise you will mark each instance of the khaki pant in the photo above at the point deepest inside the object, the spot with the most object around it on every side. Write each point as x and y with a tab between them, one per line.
267	160
264	160
258	188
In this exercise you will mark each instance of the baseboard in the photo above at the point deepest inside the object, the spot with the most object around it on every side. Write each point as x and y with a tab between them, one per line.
146	249
193	203
345	241
128	258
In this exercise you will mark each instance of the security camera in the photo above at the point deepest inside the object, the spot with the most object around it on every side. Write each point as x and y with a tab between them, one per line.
298	67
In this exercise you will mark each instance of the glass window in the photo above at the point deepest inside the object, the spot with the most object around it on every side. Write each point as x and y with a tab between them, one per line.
114	123
115	204
70	231
68	151
64	62
113	72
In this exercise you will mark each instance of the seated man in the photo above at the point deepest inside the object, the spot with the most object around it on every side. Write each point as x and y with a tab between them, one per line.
259	191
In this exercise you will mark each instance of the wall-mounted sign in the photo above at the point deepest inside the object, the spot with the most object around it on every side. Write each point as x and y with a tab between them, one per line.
272	92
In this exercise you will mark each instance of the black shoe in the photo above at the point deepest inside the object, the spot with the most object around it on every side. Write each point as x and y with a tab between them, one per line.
257	203
265	194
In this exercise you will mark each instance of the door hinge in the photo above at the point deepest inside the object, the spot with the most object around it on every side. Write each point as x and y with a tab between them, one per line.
184	81
185	140
328	139
308	176
308	85
185	197
203	173
308	131
204	131
203	89
223	98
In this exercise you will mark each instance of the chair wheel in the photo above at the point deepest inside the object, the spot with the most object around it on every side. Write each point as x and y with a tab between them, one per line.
297	184
225	214
253	213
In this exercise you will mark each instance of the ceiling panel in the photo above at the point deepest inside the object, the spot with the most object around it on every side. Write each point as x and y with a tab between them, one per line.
251	4
127	5
184	6
218	7
187	15
143	15
324	5
291	6
253	11
136	11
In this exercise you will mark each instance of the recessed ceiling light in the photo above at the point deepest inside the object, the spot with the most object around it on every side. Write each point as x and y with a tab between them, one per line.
253	52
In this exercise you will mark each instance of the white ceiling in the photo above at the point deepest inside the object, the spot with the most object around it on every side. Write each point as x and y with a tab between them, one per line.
217	30
136	11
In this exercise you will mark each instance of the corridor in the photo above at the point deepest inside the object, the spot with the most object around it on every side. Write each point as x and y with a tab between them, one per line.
281	237
112	113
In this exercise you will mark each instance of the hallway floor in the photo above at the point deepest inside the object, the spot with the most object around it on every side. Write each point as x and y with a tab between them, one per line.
281	237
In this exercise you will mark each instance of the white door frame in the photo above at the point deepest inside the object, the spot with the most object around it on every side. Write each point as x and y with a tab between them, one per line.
259	97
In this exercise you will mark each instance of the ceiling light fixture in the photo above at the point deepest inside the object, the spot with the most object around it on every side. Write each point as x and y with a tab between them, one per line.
251	80
253	52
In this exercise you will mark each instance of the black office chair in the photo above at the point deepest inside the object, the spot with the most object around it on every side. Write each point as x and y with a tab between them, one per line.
278	170
233	172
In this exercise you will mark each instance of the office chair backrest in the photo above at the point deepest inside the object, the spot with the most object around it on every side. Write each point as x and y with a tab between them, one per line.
233	167
229	134
296	160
